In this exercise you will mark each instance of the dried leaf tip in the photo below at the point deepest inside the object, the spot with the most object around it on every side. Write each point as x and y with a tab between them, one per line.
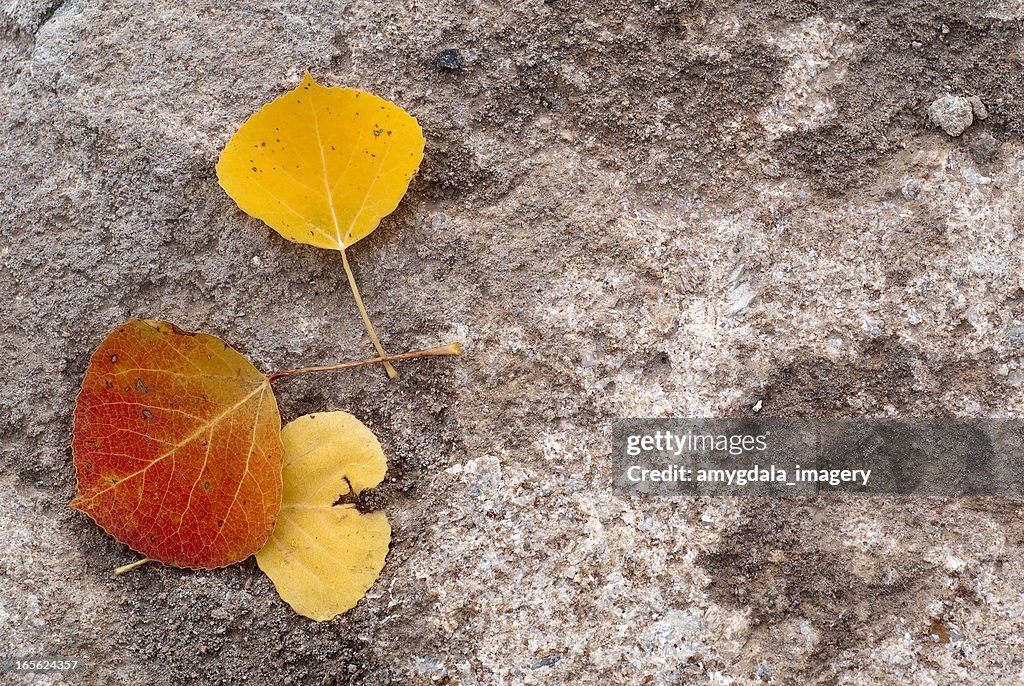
124	569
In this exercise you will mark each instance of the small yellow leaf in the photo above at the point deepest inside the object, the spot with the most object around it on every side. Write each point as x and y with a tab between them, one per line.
322	165
323	557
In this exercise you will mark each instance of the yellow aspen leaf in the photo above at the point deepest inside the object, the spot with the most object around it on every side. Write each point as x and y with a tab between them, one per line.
323	166
324	557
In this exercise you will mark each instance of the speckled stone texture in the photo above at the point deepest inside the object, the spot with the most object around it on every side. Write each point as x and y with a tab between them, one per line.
625	209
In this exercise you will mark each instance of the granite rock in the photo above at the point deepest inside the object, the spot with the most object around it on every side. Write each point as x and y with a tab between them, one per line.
625	210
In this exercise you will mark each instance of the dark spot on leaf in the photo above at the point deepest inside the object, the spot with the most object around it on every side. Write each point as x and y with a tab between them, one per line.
377	132
113	358
152	538
220	522
147	414
140	386
206	485
254	168
109	385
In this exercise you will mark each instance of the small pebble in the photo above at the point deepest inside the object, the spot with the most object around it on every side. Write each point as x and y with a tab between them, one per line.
983	147
978	107
952	113
449	59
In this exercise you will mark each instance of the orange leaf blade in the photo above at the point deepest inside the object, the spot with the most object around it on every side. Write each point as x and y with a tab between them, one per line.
177	446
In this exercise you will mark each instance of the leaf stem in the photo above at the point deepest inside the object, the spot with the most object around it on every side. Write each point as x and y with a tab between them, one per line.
366	318
439	351
129	567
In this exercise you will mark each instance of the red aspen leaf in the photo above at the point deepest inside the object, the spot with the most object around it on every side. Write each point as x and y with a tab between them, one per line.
177	446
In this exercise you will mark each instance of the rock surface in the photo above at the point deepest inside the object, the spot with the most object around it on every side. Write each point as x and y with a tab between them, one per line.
625	209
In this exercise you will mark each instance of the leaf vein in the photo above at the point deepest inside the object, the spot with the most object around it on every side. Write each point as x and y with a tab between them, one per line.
188	439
